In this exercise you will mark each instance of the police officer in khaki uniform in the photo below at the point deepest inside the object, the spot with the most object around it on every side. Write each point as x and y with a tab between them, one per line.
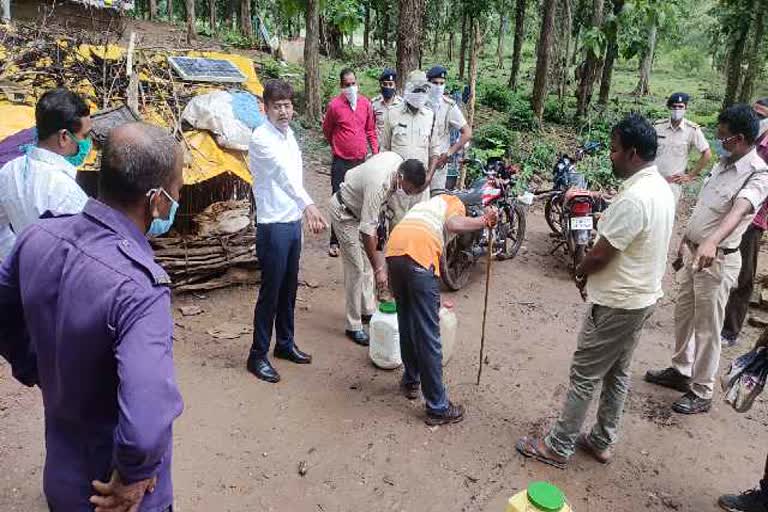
408	131
677	137
355	212
726	205
448	115
387	100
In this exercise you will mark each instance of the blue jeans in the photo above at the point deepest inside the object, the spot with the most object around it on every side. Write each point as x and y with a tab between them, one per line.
417	292
278	247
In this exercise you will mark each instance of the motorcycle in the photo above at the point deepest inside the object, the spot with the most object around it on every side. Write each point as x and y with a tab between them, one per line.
571	209
495	188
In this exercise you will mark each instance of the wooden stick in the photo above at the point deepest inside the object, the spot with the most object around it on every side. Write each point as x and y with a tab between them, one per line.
491	243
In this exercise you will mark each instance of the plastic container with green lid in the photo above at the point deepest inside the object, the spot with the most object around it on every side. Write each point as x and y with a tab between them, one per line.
539	497
384	346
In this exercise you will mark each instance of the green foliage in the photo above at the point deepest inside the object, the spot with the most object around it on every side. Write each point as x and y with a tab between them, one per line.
594	41
497	97
521	115
543	156
269	68
598	171
689	59
554	111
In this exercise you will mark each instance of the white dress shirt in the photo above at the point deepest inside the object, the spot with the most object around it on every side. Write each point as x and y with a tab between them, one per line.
31	185
277	170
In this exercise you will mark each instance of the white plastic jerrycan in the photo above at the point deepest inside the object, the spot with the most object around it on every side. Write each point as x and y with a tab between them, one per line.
448	327
384	347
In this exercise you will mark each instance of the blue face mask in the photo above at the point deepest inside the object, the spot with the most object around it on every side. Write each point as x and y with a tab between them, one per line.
387	92
720	150
83	149
162	226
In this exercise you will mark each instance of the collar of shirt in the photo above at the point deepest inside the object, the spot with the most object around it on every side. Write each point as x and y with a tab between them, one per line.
642	173
748	163
117	222
52	159
276	131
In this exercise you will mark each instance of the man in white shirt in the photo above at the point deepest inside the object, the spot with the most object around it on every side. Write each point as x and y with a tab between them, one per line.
43	179
281	203
622	274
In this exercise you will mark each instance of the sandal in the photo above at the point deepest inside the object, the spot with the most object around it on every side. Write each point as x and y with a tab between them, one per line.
601	456
529	447
333	251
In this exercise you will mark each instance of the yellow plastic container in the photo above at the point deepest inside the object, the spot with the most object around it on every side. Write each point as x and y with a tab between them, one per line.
539	497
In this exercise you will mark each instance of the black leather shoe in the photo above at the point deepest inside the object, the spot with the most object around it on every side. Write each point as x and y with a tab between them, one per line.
263	370
750	501
293	355
366	319
691	403
359	337
669	378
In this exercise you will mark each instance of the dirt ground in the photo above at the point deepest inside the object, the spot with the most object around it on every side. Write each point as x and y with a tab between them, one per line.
240	441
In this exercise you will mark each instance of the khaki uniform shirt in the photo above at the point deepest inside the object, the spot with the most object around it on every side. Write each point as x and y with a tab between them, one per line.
447	115
675	145
409	134
381	110
639	224
747	178
368	187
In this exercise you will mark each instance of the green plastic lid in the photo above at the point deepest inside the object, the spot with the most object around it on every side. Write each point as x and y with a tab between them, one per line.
388	307
545	496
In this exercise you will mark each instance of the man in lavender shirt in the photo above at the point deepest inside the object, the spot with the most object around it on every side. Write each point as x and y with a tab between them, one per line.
85	315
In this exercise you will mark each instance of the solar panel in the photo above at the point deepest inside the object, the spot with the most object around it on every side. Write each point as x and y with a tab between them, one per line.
197	69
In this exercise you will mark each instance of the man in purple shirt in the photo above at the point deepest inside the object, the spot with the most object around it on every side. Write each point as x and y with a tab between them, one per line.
85	315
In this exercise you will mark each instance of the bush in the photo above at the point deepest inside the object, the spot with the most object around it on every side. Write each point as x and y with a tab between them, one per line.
689	59
598	171
497	97
554	111
492	136
269	68
520	114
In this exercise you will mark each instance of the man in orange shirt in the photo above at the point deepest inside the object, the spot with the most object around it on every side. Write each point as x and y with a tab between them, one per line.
413	260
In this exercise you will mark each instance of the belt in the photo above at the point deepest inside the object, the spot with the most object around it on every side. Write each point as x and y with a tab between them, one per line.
725	251
337	196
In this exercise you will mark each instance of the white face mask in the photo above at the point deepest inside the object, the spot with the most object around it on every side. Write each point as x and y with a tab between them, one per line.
437	91
677	114
416	99
763	126
351	94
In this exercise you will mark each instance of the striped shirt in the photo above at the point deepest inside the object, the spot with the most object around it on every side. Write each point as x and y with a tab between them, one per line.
421	233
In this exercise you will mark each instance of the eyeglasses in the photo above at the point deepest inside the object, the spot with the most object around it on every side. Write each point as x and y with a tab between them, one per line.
727	139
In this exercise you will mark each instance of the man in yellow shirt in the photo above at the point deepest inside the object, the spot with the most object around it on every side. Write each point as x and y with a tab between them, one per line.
413	259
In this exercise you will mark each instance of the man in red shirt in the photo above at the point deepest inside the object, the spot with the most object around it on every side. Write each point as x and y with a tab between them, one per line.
349	127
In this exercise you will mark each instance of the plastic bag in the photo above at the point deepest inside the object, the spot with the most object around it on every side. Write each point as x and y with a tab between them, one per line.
745	379
230	116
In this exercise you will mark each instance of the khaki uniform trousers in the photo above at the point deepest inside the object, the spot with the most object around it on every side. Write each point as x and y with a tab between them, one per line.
699	315
358	275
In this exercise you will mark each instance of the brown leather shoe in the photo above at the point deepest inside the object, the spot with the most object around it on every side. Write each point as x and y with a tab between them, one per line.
586	444
454	414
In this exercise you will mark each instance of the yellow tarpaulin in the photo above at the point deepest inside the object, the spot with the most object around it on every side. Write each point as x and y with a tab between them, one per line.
15	118
209	160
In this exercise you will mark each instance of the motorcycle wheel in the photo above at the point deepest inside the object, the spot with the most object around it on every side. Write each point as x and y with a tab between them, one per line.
510	229
553	213
455	268
579	251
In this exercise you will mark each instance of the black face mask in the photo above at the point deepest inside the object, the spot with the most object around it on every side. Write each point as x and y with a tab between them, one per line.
387	92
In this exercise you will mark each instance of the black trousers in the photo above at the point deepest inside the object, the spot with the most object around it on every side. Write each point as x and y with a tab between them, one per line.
738	302
339	168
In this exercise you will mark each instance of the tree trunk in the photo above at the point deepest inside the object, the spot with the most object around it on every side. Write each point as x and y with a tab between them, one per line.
312	62
152	9
386	30
212	15
463	44
170	11
646	62
451	38
246	25
474	60
189	6
367	27
755	62
611	54
565	56
436	39
590	67
518	45
500	42
543	54
411	15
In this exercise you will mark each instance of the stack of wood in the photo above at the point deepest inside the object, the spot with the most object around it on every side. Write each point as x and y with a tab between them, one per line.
222	251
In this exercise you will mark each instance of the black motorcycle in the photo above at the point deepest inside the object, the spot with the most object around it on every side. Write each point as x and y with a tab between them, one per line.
495	188
570	209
